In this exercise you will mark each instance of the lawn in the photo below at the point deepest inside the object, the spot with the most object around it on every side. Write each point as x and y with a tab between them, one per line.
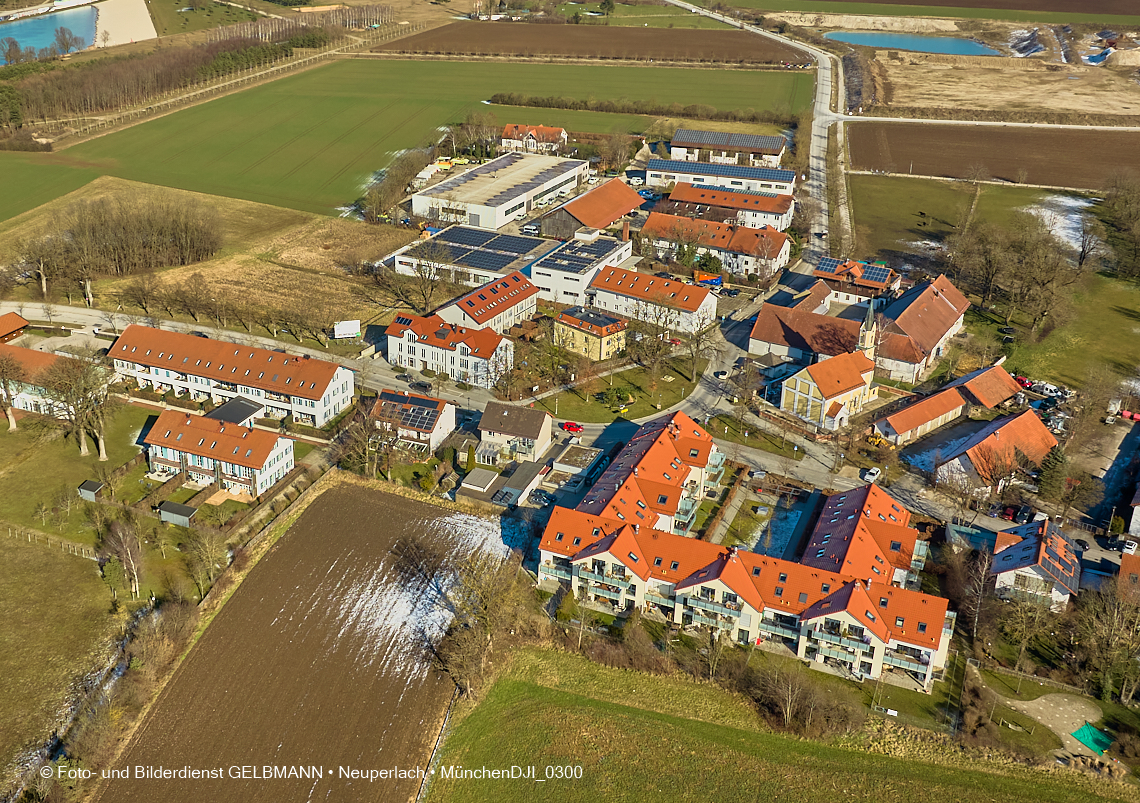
1009	686
313	140
55	619
725	426
650	16
301	450
634	735
672	386
173	16
892	10
36	463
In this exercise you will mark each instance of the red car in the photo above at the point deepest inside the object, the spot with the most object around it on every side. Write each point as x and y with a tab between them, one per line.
1025	383
570	426
674	341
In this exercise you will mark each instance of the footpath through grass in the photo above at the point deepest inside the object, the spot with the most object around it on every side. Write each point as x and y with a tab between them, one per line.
636	736
672	386
727	427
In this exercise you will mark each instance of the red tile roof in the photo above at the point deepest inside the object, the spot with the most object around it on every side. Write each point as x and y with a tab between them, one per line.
765	243
855	534
11	323
926	312
685	192
1128	581
854	272
997	443
34	362
806	331
645	287
541	133
988	386
207	437
434	331
841	374
1042	545
603	205
495	297
225	362
925	410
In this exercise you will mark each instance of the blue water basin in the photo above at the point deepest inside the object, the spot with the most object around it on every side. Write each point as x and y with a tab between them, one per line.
40	31
952	45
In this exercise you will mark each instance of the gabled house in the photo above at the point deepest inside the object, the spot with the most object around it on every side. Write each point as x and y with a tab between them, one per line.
516	433
800	334
987	387
722	147
917	328
11	326
746	208
29	393
666	173
497	305
921	417
995	453
1036	561
533	138
590	333
476	356
853	282
419	422
600	208
829	392
742	250
664	302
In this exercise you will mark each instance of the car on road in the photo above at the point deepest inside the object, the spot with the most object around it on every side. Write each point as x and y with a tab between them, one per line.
674	341
404	377
570	426
721	374
872	474
421	387
1083	544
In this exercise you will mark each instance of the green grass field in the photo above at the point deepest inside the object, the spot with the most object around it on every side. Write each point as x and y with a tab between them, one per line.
891	10
169	18
311	141
672	386
55	617
637	736
639	16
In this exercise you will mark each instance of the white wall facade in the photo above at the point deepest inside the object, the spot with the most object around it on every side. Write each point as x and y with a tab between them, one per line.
639	309
676	174
232	477
459	364
481	215
504	320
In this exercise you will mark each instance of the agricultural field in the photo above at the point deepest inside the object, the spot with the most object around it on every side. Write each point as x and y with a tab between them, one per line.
1065	158
596	42
887	220
318	658
57	628
312	141
633	733
175	16
640	16
1103	12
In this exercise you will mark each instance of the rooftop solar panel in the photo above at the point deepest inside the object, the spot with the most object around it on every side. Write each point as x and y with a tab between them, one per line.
484	260
876	273
829	264
515	245
465	236
733	171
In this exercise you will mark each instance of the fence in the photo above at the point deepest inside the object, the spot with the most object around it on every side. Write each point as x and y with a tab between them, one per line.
993	666
36	537
275	28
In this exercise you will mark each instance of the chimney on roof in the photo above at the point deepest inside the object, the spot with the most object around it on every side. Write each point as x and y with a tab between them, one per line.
625	231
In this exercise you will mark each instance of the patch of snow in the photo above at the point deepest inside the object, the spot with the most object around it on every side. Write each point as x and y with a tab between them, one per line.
924	461
1063	215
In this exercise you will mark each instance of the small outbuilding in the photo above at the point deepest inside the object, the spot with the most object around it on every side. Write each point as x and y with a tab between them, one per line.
174	513
90	490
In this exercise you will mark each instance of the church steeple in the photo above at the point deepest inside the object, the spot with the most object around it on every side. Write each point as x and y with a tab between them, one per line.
869	331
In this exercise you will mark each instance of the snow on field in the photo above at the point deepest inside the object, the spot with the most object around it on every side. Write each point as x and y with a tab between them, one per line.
924	461
1063	215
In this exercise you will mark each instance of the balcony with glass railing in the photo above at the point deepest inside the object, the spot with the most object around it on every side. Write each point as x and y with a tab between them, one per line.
713	607
565	572
608	579
774	628
843	641
708	621
905	661
605	592
658	598
846	657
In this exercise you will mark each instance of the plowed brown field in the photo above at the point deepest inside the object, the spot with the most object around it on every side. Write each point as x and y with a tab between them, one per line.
596	41
1124	7
1079	158
318	660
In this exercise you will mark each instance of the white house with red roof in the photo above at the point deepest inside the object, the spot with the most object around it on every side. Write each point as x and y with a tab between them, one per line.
747	208
240	459
312	391
497	305
419	422
478	357
533	138
1036	561
742	250
643	297
29	393
917	328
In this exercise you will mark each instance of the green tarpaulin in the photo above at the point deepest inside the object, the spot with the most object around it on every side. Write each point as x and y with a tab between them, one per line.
1096	740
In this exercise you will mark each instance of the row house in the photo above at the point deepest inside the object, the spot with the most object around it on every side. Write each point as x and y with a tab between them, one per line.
664	303
748	208
476	356
723	147
660	477
741	250
312	391
239	459
498	305
826	616
29	393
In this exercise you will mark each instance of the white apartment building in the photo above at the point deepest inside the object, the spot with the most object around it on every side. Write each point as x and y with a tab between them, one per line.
643	297
665	172
478	357
564	275
497	305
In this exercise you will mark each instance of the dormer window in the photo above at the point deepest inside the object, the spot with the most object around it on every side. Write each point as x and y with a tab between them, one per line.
783	577
674	566
922	627
883	602
896	546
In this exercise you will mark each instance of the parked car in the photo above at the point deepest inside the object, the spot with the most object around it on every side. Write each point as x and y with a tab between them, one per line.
1009	512
1083	544
1024	514
421	387
732	293
873	474
1007	330
531	230
721	374
637	182
663	275
1025	383
540	497
674	341
570	426
404	377
1129	547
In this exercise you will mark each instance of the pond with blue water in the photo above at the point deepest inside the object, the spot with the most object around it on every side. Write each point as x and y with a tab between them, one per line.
39	32
951	45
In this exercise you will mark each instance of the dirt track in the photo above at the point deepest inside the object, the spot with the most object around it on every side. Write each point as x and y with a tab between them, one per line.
596	41
317	659
1057	157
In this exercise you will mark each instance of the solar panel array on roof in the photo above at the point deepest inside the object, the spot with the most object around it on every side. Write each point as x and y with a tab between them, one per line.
465	236
477	248
485	260
876	273
728	140
731	171
515	245
413	413
576	256
829	264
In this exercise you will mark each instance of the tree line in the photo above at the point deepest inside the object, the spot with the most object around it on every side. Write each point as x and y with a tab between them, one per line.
695	111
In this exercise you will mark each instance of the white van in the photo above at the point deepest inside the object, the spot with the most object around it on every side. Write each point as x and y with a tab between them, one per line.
1129	547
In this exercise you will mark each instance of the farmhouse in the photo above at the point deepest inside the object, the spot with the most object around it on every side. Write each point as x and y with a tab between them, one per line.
518	433
857	283
478	357
993	455
664	302
752	209
801	335
987	387
743	251
659	479
564	274
504	189
11	326
311	391
1036	561
533	139
721	147
664	173
824	616
864	533
829	392
497	305
29	393
918	325
590	333
600	208
419	422
923	416
239	459
465	255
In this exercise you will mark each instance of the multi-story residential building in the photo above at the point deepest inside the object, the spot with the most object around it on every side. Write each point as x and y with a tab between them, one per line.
497	305
11	326
311	391
239	459
590	333
721	147
513	433
829	392
741	250
420	423
865	628
665	303
747	208
1036	561
659	479
533	138
476	356
29	393
665	173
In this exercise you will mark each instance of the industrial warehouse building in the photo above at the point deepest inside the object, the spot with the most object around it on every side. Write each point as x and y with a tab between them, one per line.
564	275
504	189
470	256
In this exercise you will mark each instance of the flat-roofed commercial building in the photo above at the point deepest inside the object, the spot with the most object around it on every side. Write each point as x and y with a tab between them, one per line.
504	189
470	256
666	172
722	147
564	274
